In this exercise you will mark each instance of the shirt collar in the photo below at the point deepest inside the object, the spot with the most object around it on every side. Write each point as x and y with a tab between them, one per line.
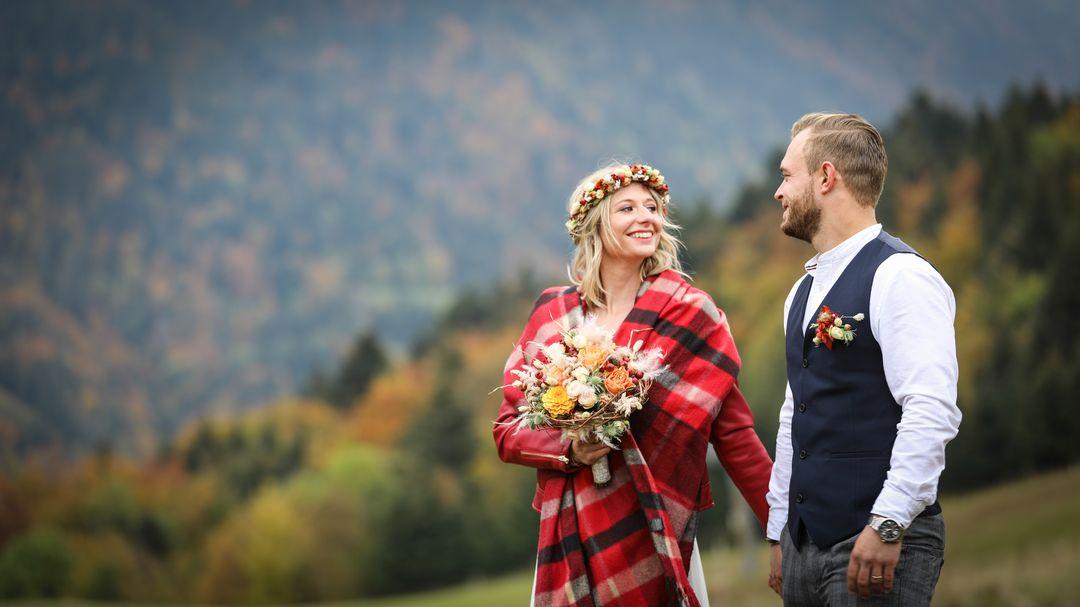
841	254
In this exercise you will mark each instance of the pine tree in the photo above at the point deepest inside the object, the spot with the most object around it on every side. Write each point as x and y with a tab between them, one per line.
366	360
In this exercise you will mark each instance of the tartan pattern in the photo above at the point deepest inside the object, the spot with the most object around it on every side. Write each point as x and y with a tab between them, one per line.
629	543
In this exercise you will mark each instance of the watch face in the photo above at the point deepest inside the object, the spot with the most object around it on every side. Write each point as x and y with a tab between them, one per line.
889	530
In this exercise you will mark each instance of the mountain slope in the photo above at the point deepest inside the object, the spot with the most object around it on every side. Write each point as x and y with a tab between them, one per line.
216	194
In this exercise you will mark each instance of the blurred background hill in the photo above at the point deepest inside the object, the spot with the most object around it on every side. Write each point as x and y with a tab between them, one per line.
202	201
262	264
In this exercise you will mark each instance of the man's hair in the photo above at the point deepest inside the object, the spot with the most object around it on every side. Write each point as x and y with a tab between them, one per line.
853	145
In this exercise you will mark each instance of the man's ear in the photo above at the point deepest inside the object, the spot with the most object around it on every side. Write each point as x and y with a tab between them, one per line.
827	178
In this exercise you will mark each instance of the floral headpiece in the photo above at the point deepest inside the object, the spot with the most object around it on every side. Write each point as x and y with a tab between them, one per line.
608	184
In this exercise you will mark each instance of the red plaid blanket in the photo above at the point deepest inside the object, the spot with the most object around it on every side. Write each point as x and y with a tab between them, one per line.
629	543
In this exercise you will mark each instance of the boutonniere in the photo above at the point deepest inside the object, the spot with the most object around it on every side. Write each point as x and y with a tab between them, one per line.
831	327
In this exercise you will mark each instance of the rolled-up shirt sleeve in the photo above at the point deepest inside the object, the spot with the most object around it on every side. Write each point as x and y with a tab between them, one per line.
912	310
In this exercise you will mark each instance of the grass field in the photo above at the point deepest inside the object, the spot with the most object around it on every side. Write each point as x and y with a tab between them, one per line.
1016	545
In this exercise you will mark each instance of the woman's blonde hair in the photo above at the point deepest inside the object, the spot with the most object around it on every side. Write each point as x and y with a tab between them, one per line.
584	268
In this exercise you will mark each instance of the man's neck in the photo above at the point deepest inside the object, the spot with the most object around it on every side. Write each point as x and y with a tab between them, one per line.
832	233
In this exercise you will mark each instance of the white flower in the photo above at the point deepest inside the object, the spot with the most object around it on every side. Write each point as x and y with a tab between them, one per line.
593	332
575	388
817	341
626	405
579	341
836	321
638	344
859	317
556	354
552	351
588	399
648	362
581	392
580	374
836	332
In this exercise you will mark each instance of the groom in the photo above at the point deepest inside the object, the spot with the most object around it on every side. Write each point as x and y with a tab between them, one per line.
871	394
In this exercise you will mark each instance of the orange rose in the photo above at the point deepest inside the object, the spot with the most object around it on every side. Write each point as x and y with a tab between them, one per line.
617	381
592	357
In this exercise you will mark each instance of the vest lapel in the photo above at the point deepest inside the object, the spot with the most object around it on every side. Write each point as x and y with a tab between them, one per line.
808	331
798	311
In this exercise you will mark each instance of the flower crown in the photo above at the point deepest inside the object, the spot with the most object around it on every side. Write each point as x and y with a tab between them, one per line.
608	184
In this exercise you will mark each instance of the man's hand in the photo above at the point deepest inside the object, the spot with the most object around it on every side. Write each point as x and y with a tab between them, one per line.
587	454
776	571
872	564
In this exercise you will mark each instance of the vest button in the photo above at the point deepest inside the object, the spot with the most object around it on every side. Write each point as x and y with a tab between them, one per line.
799	499
802	454
805	363
802	407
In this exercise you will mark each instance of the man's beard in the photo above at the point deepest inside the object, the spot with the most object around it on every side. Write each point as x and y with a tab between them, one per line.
804	217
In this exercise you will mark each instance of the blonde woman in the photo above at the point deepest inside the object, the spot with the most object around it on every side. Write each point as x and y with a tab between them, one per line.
632	542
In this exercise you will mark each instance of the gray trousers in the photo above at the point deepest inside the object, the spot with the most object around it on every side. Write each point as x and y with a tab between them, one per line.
817	578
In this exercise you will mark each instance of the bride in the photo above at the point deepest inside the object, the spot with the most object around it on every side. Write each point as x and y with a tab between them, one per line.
633	541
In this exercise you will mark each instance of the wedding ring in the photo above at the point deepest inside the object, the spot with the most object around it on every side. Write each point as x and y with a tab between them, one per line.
877	577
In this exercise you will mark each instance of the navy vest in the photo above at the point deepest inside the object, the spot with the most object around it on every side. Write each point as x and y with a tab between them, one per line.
844	423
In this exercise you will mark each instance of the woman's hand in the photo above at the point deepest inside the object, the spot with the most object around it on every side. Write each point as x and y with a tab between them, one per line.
587	454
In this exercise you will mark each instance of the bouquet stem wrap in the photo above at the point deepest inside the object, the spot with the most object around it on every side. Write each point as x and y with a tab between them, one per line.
601	473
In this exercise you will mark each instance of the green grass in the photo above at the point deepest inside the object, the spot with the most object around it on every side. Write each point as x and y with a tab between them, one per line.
507	590
1016	545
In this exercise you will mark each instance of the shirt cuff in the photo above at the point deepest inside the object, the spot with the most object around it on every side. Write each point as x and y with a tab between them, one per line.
777	520
898	506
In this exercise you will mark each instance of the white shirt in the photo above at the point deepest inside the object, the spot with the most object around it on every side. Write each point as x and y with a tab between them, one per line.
911	316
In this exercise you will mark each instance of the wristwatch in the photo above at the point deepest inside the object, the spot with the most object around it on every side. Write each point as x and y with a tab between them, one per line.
887	529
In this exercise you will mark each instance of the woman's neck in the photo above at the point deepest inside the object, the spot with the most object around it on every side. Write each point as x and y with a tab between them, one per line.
621	281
